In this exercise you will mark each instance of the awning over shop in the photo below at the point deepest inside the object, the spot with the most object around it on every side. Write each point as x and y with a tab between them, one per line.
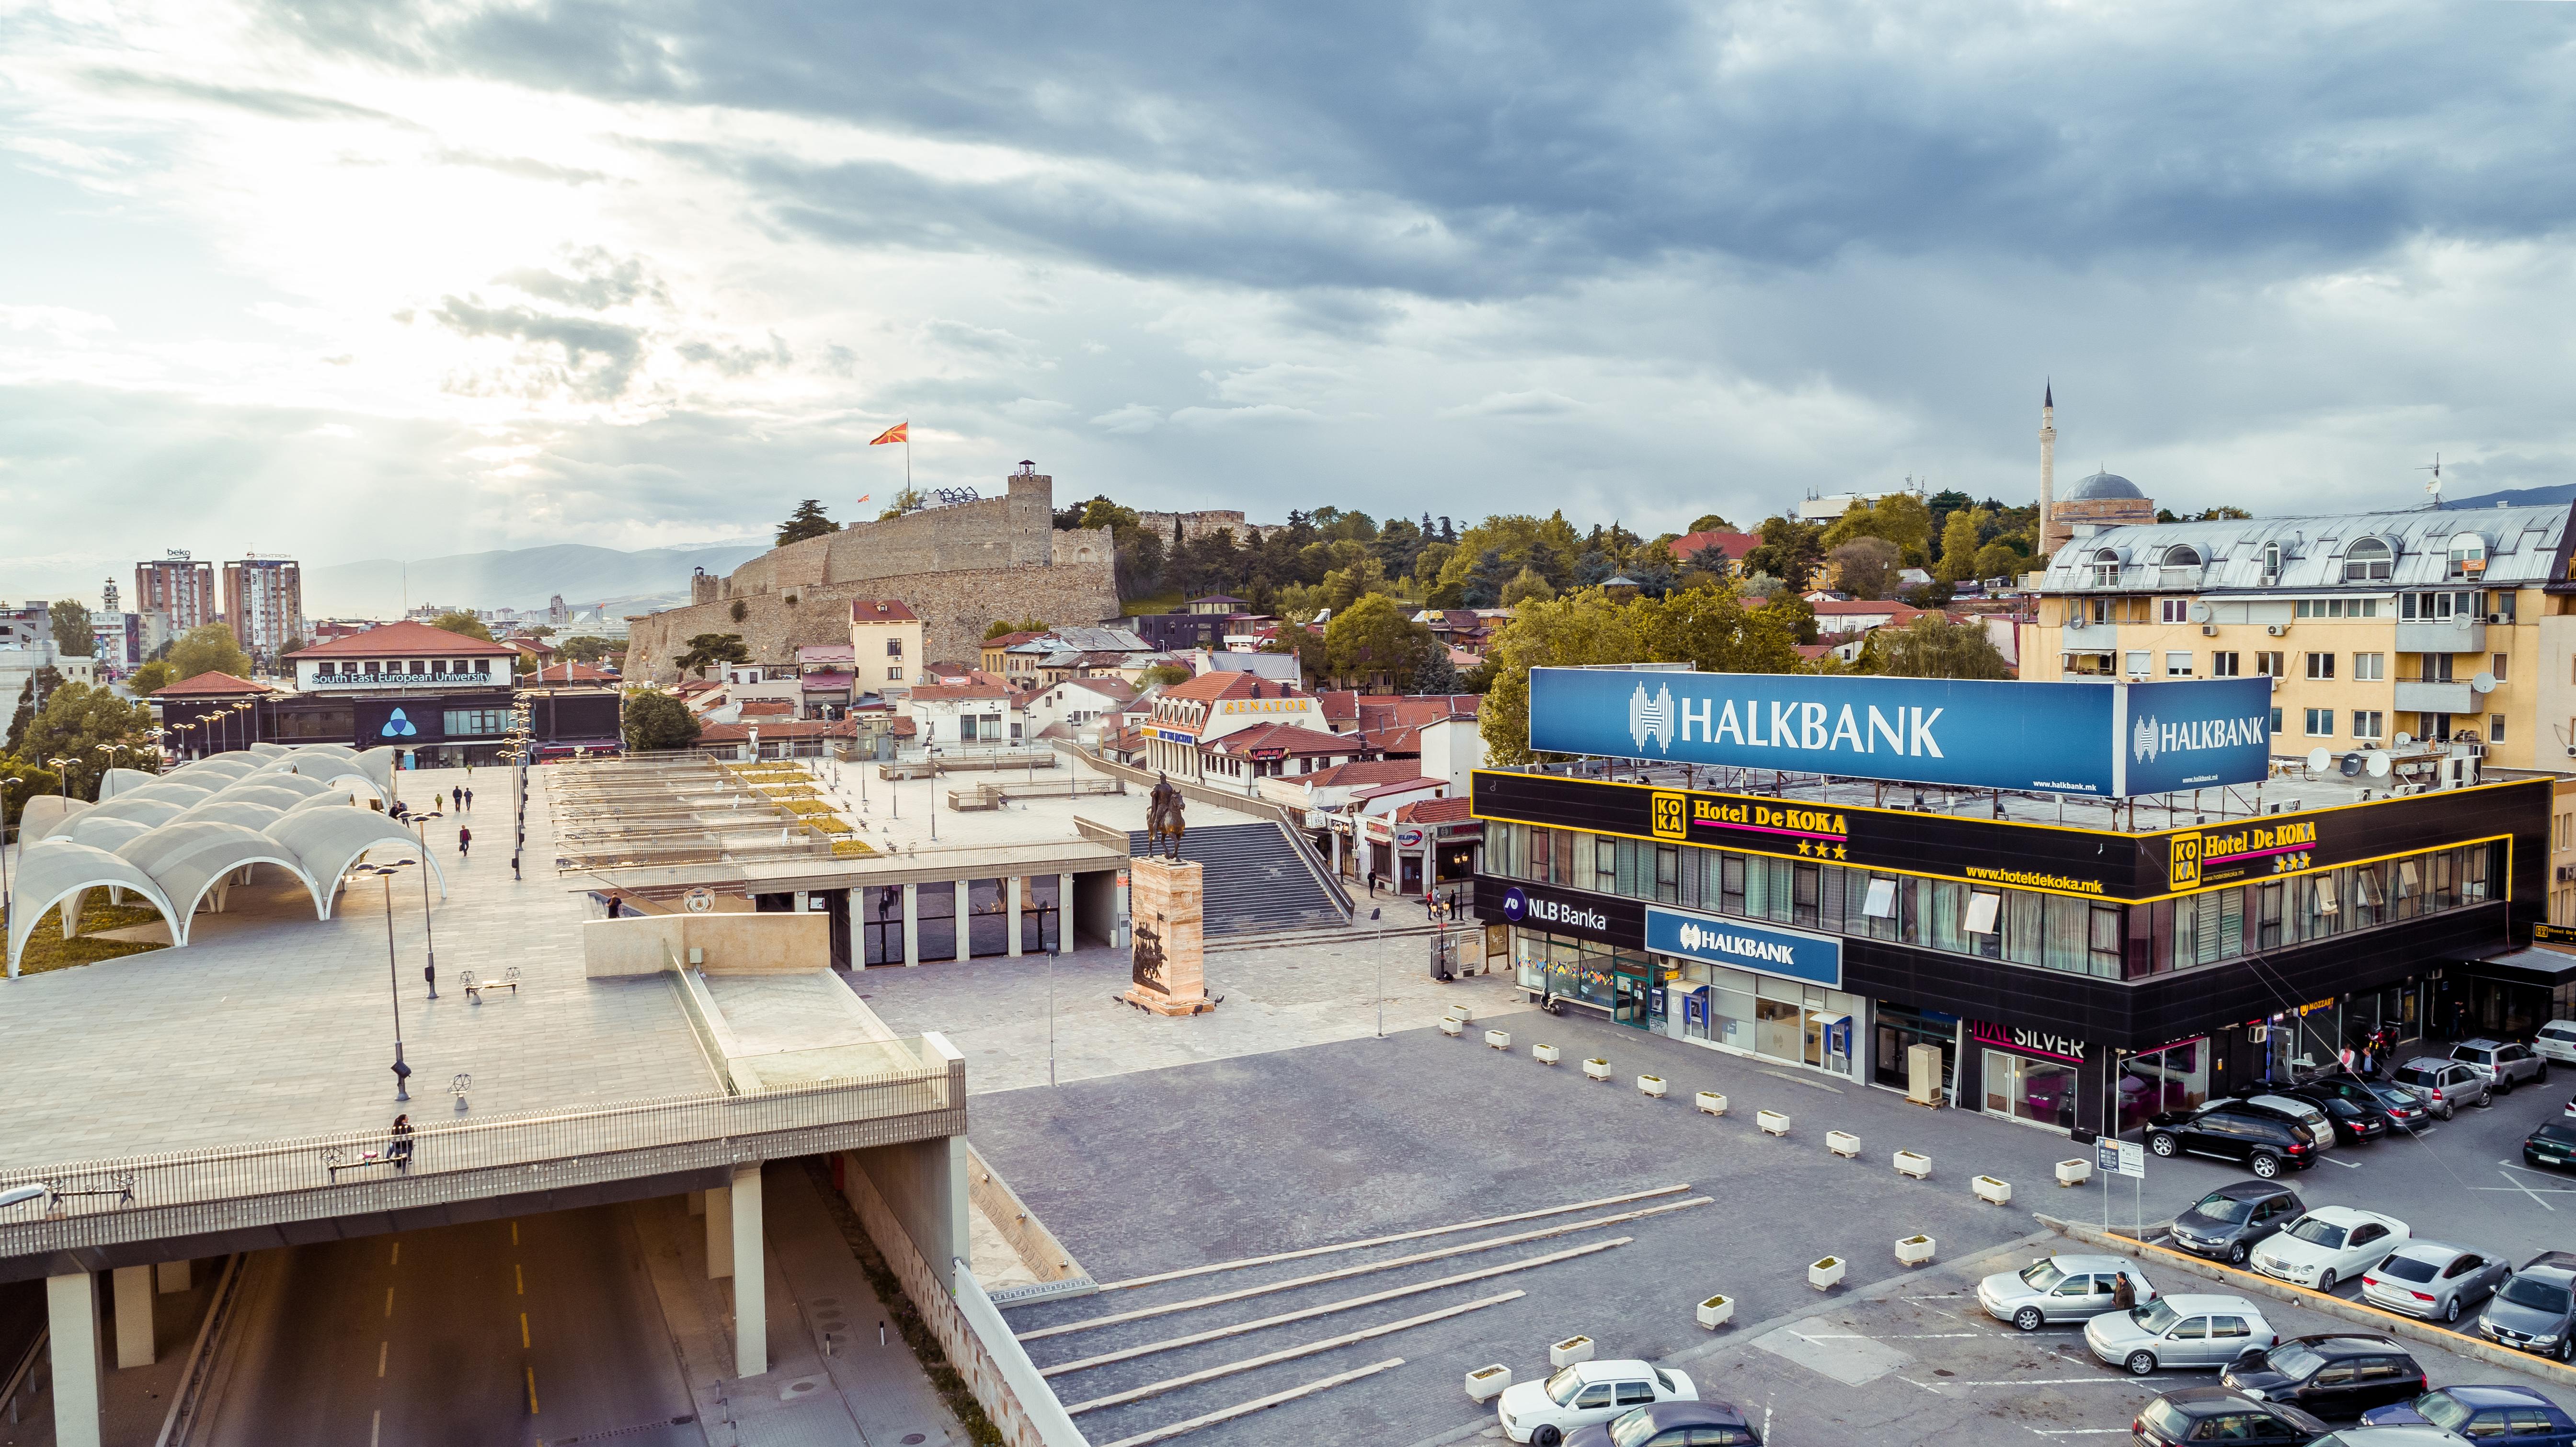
2533	966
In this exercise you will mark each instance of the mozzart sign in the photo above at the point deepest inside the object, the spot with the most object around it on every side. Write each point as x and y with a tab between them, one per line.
2110	740
1765	949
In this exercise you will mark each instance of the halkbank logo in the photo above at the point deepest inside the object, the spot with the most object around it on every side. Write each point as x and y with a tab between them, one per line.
2148	738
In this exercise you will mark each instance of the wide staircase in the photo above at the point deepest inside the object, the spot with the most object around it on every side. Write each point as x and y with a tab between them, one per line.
1254	879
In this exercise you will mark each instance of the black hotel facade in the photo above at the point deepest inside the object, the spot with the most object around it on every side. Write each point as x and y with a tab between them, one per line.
2074	979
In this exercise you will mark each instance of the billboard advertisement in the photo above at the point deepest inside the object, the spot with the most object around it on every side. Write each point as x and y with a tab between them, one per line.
1740	944
2109	740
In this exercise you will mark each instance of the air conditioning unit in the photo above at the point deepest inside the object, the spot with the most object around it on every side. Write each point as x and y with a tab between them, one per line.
2276	629
2208	630
2567	873
2276	688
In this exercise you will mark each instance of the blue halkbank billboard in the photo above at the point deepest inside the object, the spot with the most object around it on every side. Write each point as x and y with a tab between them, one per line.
2106	739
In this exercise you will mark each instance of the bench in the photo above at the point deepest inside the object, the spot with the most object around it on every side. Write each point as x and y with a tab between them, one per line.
398	1157
474	987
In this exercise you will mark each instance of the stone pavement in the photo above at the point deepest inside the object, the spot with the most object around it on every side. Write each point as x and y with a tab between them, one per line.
176	1049
901	811
996	1010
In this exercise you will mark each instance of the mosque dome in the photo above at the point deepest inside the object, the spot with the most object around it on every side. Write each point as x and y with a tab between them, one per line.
2103	486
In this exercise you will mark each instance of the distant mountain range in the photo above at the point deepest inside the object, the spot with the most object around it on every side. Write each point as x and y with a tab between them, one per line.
519	578
2517	497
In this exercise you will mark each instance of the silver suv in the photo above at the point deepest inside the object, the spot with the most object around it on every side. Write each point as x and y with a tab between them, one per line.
2502	1062
2446	1085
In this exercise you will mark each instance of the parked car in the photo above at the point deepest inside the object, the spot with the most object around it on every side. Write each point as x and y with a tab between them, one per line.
2228	1223
2535	1309
2390	1437
2550	1144
2215	1414
2179	1331
2332	1375
2502	1062
2570	1111
2431	1279
2267	1141
2447	1084
2354	1123
1673	1424
2406	1107
2521	1415
2060	1288
1544	1412
2557	1041
2330	1244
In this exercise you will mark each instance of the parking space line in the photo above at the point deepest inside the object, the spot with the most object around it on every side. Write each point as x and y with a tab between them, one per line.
1892	1336
2347	1165
2526	1190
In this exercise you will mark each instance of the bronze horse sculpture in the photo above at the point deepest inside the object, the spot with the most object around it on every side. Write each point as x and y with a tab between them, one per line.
1163	819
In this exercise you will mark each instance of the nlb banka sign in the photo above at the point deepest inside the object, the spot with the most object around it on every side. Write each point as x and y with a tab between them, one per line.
2107	739
1762	948
1522	907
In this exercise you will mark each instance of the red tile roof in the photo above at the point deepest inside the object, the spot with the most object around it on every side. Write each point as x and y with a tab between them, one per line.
1009	639
1363	773
1435	811
210	684
881	610
572	673
1734	545
1405	786
404	640
1216	686
1290	737
777	728
768	707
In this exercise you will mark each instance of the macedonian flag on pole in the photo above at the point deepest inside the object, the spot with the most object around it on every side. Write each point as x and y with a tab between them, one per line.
899	432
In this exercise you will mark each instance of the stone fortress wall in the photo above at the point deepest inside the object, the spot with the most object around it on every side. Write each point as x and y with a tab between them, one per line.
960	568
1193	525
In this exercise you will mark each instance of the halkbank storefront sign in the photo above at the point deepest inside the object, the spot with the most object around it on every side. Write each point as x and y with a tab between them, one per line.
2111	740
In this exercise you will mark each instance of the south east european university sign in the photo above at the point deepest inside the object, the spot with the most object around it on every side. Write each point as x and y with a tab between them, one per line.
2111	740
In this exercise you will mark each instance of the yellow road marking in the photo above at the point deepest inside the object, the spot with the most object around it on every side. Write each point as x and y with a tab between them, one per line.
389	1301
520	1277
514	1233
382	1349
397	1261
523	1329
532	1391
376	1428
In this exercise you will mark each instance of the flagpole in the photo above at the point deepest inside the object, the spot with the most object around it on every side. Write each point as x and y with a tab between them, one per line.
907	458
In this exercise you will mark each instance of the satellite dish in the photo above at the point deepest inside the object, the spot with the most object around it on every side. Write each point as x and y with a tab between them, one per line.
2318	759
2376	762
2484	683
2201	613
2351	766
2405	739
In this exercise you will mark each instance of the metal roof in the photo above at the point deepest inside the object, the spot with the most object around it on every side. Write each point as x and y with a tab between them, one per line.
2521	545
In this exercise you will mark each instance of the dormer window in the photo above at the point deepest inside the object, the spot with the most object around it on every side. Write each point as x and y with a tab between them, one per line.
2468	556
2181	555
2368	561
2106	569
2271	562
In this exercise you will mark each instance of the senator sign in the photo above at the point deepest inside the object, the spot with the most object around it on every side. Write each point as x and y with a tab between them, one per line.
1764	949
2106	739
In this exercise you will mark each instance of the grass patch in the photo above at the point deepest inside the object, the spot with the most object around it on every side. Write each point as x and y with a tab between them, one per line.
48	950
1155	603
944	1377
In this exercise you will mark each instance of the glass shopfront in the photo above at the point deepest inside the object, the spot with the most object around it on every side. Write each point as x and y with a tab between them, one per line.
1899	1028
1785	1020
1616	982
2174	1078
2029	1089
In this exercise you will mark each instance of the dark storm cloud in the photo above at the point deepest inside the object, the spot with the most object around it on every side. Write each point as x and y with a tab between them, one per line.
1491	149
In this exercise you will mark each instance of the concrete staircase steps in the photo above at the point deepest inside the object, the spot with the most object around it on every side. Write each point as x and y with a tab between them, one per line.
1255	881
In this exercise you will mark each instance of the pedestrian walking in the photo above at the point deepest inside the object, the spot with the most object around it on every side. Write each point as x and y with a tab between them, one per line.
469	801
464	839
455	799
2124	1294
398	1146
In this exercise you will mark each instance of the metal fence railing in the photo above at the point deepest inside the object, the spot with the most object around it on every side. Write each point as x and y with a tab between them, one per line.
323	1175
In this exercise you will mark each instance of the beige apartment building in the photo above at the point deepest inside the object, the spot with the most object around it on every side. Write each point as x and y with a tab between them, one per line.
885	647
2380	631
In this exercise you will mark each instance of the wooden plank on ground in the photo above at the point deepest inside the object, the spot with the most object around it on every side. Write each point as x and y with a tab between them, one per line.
1257	1404
1174	1384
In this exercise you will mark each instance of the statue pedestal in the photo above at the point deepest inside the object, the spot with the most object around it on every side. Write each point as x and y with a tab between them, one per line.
1167	929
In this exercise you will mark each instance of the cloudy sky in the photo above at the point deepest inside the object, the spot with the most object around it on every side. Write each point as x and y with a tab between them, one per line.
351	280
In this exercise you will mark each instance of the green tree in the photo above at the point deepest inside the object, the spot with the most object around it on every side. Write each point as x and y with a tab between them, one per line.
1899	517
1307	643
1709	522
292	646
1375	640
73	635
1001	626
587	648
1162	675
534	630
462	624
1583	628
706	650
656	720
1437	673
94	726
1934	647
1790	551
1959	535
1526	586
1865	566
1709	628
22	779
150	676
908	500
2000	559
807	521
1347	585
208	648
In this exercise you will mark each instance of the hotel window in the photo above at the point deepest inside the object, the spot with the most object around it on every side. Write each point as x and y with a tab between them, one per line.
2177	665
2495	666
2268	665
2320	723
2366	723
2176	610
2369	667
2321	665
2138	663
2223	665
2495	728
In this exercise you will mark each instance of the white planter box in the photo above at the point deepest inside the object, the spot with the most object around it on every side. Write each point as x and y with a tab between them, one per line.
1843	1143
1915	1164
1597	1068
1913	1250
1484	1384
1826	1274
1451	1027
1651	1085
1715	1312
1569	1351
2074	1173
1543	1054
1499	1039
1995	1191
1772	1122
1461	1014
1712	1102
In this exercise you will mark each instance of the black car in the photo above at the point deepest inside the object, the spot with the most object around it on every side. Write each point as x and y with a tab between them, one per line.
2226	1224
2215	1414
2334	1375
1671	1424
2552	1144
2358	1114
2404	1105
2235	1130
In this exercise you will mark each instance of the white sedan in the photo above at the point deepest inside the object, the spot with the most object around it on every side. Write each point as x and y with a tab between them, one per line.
1546	1413
2330	1244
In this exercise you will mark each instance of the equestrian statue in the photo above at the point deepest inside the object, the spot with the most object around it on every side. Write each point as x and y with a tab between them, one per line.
1163	819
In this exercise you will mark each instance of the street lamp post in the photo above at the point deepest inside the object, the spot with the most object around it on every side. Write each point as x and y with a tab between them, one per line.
1377	970
1053	950
393	982
430	973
